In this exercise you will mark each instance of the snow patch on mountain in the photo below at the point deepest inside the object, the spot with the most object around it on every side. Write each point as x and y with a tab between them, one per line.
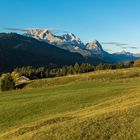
124	53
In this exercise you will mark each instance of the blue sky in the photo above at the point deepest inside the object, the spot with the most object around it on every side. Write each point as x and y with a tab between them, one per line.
115	23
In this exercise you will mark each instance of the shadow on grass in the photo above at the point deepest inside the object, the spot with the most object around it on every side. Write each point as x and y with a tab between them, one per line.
21	85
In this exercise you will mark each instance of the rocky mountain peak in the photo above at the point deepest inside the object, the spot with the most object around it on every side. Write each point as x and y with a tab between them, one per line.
95	47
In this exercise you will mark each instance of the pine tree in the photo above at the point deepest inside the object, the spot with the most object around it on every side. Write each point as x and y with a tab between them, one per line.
76	68
47	73
70	70
58	72
64	71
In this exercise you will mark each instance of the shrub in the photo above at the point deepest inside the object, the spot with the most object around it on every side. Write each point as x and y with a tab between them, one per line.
7	82
136	63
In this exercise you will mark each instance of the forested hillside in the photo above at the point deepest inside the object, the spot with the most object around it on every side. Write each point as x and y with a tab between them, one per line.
17	51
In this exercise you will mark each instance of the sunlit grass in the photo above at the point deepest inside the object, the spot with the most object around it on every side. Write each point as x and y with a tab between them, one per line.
98	105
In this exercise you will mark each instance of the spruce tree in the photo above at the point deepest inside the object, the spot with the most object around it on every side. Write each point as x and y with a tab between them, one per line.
76	67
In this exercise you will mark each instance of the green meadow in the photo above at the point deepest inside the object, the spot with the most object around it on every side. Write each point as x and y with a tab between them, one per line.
100	105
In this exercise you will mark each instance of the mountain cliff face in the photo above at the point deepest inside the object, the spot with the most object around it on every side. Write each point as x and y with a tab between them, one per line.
95	47
46	36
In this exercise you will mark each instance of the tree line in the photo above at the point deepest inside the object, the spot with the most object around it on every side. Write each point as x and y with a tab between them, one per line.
8	81
45	72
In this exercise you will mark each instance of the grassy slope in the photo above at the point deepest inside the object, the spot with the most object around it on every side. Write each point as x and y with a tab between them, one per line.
100	105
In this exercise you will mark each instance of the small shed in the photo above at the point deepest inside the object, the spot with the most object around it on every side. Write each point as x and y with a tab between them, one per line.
22	79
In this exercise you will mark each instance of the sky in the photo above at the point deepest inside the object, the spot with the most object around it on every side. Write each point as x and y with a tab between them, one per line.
114	23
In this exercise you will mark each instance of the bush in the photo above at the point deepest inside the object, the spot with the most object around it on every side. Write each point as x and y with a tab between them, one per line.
136	63
7	82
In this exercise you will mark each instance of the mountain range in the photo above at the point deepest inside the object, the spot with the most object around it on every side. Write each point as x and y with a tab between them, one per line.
66	41
38	47
18	51
71	43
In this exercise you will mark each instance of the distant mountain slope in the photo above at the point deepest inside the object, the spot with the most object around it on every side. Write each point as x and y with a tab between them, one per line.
17	51
124	56
137	55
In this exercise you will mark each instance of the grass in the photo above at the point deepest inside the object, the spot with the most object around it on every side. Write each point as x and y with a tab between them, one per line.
99	105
